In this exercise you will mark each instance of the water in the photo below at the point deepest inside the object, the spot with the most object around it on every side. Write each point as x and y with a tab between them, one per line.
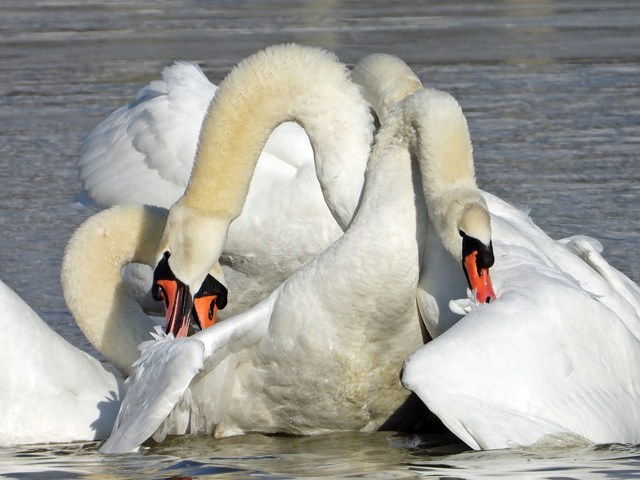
552	93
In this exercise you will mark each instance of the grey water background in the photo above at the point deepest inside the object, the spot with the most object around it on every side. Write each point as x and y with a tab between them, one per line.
551	90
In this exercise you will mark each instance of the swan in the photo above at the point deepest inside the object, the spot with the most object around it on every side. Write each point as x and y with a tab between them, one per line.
386	80
143	154
322	353
534	362
556	354
51	390
92	284
198	222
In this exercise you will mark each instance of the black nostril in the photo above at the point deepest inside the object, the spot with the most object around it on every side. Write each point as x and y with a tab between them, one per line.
488	299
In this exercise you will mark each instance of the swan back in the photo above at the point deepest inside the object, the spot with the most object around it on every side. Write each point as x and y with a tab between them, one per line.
143	152
551	355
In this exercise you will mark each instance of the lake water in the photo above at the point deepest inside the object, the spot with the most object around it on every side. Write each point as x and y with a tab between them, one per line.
552	93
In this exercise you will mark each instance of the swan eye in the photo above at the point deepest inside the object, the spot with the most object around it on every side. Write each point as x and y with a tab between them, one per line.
162	274
157	292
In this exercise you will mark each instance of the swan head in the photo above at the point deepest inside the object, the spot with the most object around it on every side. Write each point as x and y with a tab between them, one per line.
188	262
461	219
477	252
180	308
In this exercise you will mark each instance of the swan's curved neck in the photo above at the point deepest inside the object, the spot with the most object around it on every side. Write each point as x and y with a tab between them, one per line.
92	283
440	140
279	84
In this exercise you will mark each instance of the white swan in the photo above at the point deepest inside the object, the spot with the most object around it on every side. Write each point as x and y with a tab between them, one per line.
556	354
51	391
339	127
143	154
93	289
322	352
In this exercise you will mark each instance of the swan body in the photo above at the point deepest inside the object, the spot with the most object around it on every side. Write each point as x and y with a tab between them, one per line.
143	154
51	390
322	352
556	353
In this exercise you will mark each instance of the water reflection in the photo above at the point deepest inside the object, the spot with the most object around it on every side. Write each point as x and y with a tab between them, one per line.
344	455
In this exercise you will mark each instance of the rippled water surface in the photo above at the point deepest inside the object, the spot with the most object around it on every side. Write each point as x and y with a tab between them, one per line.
552	93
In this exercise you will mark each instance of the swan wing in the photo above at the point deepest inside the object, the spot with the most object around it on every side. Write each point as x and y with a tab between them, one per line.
143	152
161	376
556	353
51	390
183	385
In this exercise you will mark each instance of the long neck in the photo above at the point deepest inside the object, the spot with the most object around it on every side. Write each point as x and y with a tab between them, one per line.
275	85
382	246
442	144
92	284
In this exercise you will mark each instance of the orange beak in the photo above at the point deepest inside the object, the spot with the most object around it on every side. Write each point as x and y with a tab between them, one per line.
211	297
175	297
206	310
479	279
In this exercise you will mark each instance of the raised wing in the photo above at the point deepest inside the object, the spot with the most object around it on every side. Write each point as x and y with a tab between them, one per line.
143	152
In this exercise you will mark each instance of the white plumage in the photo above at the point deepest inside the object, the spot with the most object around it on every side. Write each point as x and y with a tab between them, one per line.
51	391
322	353
143	153
556	353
